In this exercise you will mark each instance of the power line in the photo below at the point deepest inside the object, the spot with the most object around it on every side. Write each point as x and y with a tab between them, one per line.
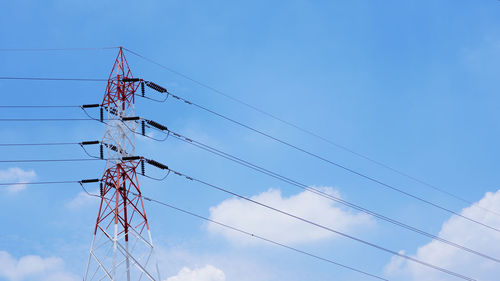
40	182
81	144
220	115
51	160
54	49
457	197
449	272
44	119
325	195
262	238
39	144
244	232
320	193
196	81
239	123
97	159
37	106
328	161
313	134
54	79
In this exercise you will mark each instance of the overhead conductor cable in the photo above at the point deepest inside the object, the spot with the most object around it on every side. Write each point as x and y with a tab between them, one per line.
256	236
352	171
426	264
315	135
326	195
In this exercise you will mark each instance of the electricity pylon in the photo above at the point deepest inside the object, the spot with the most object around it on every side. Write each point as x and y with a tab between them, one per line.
121	248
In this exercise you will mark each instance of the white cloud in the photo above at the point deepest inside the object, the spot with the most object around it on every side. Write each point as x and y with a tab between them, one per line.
33	267
462	232
207	273
235	265
272	225
17	175
395	266
82	199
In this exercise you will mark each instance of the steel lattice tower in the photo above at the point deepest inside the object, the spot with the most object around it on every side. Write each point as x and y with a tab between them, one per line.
122	248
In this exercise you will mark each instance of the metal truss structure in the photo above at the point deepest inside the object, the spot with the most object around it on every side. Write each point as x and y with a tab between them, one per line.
122	248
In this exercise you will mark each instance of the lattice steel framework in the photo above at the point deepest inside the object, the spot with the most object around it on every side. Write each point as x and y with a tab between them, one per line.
121	248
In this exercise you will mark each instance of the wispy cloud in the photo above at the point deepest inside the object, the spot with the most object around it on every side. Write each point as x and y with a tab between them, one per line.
17	175
82	200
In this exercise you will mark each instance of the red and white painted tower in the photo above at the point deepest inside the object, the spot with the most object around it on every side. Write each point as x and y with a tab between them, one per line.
122	248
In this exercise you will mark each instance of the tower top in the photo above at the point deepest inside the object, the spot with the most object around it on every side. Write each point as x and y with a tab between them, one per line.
119	94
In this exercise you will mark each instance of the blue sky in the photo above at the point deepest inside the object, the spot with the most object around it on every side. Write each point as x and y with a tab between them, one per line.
412	84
